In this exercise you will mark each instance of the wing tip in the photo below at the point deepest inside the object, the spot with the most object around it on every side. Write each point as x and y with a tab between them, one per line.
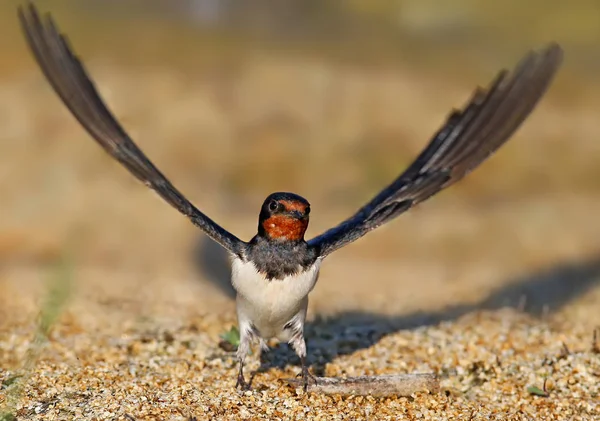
550	56
554	53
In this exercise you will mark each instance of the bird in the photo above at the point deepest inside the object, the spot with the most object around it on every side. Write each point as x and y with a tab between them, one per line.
274	272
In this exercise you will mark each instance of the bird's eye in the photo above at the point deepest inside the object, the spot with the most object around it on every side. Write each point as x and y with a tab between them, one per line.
307	210
273	205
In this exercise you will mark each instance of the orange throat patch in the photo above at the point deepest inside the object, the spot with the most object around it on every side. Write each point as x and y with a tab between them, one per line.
281	227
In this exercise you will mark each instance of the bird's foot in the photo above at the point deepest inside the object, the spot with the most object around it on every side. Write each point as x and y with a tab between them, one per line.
242	383
307	378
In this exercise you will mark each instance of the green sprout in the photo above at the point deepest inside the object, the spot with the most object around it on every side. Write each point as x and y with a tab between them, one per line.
232	336
534	390
230	339
58	290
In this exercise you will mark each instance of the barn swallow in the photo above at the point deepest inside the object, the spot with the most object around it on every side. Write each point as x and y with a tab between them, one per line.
275	271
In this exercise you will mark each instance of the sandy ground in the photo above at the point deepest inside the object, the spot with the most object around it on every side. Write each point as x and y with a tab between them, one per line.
494	285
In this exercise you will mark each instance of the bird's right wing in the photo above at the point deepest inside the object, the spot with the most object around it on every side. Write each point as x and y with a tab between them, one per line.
69	79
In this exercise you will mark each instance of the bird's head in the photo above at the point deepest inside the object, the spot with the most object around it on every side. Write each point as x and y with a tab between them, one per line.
283	217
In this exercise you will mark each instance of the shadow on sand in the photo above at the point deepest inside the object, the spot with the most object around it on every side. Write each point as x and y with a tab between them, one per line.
327	338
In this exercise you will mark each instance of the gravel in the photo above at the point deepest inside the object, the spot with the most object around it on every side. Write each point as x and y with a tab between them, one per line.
489	363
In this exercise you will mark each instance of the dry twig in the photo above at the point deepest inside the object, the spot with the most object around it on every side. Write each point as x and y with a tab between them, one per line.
388	385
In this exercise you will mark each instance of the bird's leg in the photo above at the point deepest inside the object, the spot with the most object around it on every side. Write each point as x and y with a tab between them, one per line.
241	381
306	374
299	346
241	353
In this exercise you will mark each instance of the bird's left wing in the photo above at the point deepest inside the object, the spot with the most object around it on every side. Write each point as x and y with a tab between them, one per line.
468	137
69	79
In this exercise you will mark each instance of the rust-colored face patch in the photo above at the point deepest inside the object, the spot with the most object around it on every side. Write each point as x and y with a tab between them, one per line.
294	205
284	227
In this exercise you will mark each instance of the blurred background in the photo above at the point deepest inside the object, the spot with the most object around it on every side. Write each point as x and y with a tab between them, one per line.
236	99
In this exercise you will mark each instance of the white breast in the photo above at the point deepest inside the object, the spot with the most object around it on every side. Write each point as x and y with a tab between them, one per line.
269	304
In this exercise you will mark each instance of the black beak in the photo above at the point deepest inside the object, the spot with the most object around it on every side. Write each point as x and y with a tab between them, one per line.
297	214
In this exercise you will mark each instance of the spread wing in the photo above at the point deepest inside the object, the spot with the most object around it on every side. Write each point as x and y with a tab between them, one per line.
467	138
69	79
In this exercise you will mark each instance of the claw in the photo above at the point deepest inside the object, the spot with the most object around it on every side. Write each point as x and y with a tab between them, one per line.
241	381
306	375
306	378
